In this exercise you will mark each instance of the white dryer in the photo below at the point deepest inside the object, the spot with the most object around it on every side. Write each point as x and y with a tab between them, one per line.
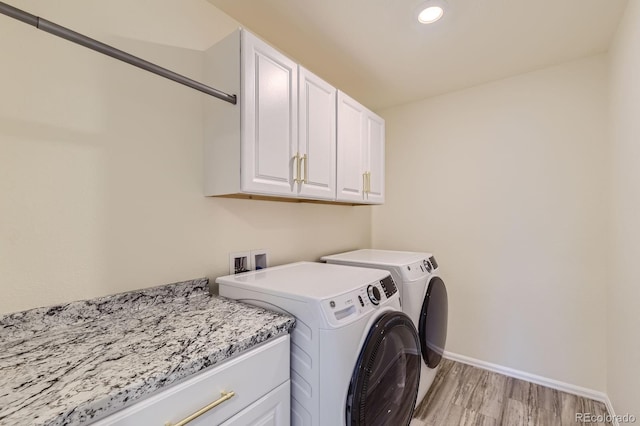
423	296
355	356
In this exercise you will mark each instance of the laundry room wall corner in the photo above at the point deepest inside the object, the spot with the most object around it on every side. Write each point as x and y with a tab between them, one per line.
506	184
623	292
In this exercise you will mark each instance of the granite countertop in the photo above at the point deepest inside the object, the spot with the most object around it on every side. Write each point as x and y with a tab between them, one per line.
74	363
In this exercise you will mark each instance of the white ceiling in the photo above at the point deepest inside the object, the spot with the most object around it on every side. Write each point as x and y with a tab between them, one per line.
376	51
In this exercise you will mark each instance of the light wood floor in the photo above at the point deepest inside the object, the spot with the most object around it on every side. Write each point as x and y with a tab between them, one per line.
466	395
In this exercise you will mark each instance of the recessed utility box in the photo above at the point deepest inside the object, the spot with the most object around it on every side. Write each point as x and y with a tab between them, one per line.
243	261
239	262
259	259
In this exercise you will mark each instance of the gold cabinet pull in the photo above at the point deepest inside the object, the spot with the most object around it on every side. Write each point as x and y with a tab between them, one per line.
366	180
224	396
364	185
297	160
304	174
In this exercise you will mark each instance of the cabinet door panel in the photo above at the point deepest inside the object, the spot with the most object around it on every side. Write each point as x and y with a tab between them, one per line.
269	127
317	138
271	410
376	138
351	149
238	374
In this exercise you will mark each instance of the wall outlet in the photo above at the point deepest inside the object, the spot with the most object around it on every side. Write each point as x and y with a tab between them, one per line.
239	262
259	259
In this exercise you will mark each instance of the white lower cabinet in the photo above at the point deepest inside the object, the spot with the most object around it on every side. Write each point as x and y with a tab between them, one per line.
250	389
272	409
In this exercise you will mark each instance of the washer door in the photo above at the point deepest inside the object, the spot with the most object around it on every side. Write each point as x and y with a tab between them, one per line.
384	385
433	322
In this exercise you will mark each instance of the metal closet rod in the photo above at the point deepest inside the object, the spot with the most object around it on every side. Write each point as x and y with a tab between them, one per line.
105	49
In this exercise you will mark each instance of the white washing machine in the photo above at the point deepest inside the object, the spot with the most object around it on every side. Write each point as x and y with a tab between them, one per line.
423	296
355	356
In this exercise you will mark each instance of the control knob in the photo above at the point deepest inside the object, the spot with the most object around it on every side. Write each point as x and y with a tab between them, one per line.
374	294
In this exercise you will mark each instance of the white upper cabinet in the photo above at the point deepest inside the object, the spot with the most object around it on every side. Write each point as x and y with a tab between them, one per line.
375	140
291	134
269	108
249	147
360	147
317	137
351	178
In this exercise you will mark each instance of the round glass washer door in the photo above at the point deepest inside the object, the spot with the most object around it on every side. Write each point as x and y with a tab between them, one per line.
384	385
433	322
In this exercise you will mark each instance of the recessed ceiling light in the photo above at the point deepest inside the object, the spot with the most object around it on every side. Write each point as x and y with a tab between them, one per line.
430	14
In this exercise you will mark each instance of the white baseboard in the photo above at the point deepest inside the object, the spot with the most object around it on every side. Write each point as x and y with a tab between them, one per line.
544	381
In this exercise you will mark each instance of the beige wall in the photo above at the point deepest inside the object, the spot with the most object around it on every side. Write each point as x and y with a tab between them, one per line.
101	163
623	327
506	183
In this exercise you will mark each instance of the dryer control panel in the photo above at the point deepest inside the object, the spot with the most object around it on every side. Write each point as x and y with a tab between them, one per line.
419	269
348	307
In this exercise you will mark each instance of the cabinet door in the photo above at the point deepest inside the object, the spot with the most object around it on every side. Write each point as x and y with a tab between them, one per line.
251	375
269	134
271	410
351	150
317	136
375	155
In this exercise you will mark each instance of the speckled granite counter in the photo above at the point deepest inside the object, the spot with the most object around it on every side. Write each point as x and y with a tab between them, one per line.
74	363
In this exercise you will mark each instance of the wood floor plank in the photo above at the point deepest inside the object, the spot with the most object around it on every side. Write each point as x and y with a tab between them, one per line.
547	399
570	407
440	395
457	415
474	418
489	396
470	379
515	413
541	416
464	395
519	390
598	409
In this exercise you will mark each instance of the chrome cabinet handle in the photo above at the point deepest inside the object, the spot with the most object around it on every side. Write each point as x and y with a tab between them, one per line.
368	182
224	396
